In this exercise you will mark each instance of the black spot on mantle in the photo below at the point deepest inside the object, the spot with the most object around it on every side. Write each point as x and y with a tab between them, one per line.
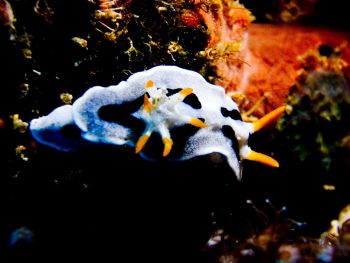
230	134
193	101
233	114
121	114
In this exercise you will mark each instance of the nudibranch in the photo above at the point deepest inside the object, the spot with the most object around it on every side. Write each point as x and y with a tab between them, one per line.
162	101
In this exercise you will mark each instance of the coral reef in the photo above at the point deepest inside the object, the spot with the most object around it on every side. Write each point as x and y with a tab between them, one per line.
227	23
282	239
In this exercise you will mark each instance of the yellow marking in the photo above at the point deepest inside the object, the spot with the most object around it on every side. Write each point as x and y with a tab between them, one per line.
269	118
329	187
141	143
149	84
198	123
186	91
147	105
168	144
262	158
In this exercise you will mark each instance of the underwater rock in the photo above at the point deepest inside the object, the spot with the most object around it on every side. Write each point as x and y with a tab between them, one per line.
160	100
271	58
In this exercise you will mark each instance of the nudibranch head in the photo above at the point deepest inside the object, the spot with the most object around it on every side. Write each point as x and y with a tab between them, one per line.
160	100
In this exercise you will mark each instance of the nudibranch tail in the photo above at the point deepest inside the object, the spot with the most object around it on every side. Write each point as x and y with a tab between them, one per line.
268	118
262	158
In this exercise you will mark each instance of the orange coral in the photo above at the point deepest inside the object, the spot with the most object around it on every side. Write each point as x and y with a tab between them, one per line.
274	54
227	23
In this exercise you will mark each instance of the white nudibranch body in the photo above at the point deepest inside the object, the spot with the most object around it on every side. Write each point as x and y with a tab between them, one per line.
163	100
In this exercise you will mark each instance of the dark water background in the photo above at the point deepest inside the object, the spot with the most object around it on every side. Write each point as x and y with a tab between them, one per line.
110	204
